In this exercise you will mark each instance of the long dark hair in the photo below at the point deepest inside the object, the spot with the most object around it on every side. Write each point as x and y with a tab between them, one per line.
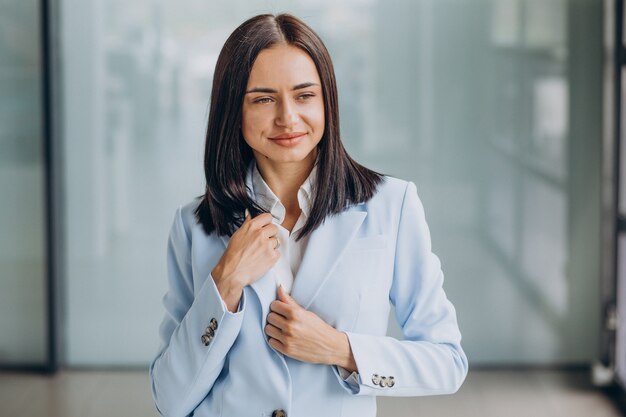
340	182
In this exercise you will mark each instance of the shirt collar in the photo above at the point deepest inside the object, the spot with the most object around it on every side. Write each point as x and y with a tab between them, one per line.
266	198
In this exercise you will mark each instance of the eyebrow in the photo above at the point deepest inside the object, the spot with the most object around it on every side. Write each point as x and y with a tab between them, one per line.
271	90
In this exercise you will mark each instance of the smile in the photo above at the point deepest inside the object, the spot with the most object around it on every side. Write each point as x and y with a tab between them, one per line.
288	140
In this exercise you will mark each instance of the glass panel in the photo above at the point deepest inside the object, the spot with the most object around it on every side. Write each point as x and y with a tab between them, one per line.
470	100
22	238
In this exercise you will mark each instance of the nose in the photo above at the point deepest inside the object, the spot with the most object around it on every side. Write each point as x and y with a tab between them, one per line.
287	115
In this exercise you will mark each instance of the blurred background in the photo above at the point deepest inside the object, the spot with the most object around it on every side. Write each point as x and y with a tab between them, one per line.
505	113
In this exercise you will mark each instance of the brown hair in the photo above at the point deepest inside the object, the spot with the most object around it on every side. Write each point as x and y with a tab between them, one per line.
340	180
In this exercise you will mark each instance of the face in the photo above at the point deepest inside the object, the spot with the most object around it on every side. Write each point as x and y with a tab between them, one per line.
283	108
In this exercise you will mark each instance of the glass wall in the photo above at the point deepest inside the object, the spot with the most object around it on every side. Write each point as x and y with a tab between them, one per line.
474	101
23	332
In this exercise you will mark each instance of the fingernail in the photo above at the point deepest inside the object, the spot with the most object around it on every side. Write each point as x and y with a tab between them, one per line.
247	213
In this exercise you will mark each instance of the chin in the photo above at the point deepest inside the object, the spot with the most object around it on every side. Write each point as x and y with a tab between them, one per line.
287	155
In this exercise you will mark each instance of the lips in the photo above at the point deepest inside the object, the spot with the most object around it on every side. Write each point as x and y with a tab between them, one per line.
286	136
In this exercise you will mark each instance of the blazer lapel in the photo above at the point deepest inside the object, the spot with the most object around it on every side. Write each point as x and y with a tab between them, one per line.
324	250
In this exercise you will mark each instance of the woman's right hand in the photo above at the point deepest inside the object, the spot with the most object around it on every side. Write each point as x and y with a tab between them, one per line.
250	254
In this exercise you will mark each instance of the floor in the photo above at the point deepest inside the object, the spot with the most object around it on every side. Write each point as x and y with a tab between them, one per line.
486	393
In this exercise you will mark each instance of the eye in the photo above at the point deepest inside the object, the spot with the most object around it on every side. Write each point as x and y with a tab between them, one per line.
306	96
262	100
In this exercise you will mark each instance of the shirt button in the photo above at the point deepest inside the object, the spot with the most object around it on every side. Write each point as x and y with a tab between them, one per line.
279	413
375	379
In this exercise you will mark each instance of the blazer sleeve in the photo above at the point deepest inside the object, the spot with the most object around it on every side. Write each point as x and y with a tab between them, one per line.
186	366
429	360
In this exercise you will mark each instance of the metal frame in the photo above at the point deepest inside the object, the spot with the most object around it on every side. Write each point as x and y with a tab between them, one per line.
618	62
610	159
53	229
52	198
612	222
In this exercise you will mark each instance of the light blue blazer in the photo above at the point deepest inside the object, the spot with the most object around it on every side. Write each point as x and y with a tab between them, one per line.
355	264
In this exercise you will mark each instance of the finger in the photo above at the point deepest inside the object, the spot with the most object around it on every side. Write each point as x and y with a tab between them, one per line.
273	241
280	294
262	220
283	296
277	344
281	308
270	230
273	332
277	320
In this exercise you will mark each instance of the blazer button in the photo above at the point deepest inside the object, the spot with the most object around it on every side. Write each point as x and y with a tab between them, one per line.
206	339
279	413
375	379
213	324
383	381
209	331
391	382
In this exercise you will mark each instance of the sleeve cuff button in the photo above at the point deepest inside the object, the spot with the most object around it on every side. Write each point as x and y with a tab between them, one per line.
376	379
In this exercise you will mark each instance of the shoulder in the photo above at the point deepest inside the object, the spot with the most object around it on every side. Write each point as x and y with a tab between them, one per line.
393	197
386	205
185	221
188	212
393	185
188	234
391	191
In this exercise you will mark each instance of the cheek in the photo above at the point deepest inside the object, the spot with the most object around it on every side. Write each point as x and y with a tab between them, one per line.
252	124
316	119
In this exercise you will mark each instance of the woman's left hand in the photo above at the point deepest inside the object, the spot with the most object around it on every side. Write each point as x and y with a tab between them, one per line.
302	335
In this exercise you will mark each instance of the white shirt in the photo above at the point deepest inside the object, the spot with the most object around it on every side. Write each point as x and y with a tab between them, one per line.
291	252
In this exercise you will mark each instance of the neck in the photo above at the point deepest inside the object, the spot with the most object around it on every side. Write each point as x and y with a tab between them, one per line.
285	178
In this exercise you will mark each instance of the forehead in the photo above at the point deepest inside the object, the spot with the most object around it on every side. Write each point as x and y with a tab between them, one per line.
282	65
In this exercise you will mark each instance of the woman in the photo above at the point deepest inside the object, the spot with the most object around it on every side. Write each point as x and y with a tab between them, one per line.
281	275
